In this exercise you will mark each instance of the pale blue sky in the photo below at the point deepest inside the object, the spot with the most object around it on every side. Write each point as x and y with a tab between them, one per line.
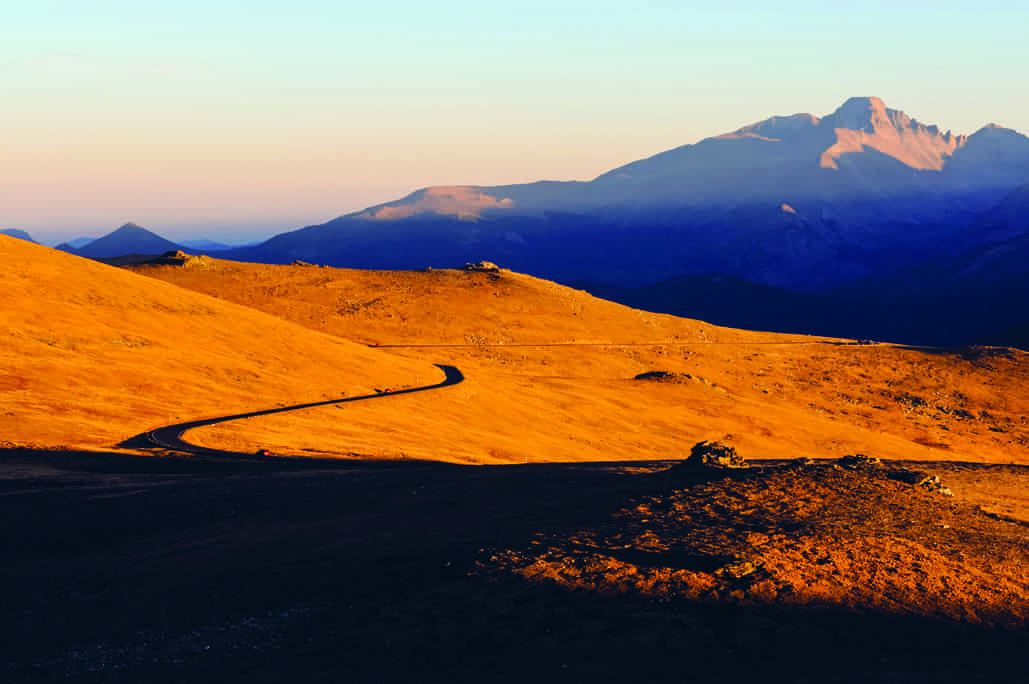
240	118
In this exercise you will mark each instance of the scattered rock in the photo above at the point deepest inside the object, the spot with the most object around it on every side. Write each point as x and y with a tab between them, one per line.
482	267
298	262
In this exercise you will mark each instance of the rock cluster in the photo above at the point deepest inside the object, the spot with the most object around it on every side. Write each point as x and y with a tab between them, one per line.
714	455
177	257
174	257
916	478
920	478
860	462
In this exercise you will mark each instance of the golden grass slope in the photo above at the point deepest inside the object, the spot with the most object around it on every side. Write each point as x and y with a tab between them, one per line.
91	355
773	396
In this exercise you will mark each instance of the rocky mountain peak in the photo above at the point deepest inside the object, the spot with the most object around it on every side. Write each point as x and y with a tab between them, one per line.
862	113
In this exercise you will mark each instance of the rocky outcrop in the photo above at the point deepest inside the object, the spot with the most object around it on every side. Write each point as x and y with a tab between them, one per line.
707	455
177	257
860	462
482	267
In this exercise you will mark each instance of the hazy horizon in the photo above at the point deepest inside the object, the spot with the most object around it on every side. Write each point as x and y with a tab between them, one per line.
241	121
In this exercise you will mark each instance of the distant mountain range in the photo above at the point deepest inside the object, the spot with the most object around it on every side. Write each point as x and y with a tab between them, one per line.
15	233
132	239
797	202
862	223
128	239
205	245
77	243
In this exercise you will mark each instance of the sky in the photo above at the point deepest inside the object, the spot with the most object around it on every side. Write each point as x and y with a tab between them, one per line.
235	120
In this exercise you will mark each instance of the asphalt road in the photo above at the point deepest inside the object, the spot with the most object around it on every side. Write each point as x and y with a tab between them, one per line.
170	436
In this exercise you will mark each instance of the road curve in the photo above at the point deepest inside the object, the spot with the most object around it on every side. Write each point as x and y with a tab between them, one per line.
170	436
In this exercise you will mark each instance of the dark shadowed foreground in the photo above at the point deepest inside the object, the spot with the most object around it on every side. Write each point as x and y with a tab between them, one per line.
119	568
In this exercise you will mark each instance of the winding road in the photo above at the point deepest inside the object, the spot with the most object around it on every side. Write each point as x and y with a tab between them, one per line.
170	436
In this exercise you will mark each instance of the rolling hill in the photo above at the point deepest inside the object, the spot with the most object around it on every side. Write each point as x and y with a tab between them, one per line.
1007	220
554	374
93	354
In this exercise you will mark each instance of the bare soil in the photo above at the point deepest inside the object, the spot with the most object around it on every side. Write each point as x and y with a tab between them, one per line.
125	568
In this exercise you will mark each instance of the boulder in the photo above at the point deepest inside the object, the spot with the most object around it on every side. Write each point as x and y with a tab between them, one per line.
664	376
714	455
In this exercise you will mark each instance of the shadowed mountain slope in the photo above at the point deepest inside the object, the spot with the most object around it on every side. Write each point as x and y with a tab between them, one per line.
1017	337
963	298
738	303
897	310
1007	220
